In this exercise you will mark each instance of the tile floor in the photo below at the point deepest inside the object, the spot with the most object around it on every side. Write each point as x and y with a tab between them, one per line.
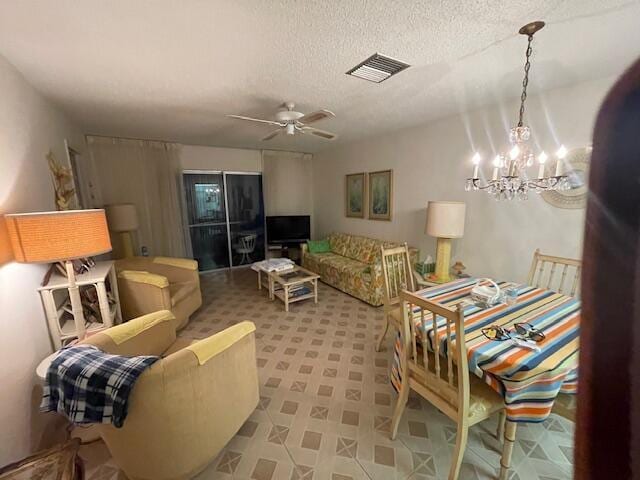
325	401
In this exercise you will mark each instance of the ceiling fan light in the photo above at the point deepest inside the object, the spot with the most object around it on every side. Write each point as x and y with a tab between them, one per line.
291	129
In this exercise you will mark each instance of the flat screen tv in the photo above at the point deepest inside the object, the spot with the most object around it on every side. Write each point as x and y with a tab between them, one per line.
288	229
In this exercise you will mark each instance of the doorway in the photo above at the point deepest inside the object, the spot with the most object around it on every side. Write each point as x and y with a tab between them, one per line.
225	218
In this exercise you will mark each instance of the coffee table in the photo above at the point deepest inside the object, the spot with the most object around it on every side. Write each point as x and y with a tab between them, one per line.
293	285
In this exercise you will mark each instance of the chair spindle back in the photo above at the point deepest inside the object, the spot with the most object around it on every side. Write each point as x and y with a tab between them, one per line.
397	273
562	275
432	372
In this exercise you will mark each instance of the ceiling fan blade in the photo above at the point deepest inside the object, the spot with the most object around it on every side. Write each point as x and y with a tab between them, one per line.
319	133
270	122
316	116
272	134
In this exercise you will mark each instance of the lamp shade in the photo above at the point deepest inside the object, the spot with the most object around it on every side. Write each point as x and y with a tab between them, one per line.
445	219
57	236
122	217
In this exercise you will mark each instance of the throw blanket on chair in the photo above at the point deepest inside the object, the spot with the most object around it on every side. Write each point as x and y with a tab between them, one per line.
90	386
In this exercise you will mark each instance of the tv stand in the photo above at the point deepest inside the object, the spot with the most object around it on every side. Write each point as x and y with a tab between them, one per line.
289	249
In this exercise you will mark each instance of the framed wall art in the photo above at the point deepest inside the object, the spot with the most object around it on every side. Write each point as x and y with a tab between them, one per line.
355	195
381	195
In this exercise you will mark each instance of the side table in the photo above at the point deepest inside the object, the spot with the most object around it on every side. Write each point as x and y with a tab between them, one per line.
55	298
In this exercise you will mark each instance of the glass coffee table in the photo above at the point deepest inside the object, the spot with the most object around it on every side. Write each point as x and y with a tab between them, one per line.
293	285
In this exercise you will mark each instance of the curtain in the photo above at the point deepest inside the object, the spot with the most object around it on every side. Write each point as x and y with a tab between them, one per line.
145	173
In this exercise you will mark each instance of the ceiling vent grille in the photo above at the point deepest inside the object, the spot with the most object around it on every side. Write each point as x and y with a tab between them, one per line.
377	68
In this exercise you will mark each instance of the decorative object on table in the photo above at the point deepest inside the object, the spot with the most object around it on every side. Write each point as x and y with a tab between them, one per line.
445	220
61	462
123	219
577	161
47	237
99	297
64	189
355	195
510	179
270	265
426	267
172	395
486	295
458	269
381	195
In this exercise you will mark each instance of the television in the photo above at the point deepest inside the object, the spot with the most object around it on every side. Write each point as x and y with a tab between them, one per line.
288	229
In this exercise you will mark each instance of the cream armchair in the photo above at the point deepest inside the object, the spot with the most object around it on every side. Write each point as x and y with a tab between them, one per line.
186	407
149	284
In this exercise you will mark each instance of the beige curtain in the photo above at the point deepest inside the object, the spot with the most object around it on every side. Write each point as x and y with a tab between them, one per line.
145	173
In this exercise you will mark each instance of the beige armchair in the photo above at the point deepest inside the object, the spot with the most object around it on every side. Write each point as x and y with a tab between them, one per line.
149	284
186	407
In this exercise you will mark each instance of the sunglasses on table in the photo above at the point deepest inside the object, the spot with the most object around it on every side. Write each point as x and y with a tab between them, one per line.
523	331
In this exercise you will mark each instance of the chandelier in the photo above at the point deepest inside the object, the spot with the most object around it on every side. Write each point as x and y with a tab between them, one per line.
510	179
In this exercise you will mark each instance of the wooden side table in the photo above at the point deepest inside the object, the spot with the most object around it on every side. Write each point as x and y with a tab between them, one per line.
289	281
55	298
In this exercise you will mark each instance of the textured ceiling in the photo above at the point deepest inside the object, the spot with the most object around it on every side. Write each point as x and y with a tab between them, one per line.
172	69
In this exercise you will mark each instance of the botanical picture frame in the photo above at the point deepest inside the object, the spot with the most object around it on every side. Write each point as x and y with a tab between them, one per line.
355	195
381	195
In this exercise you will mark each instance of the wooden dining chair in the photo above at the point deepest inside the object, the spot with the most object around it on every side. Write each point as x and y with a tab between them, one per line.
565	406
439	373
554	279
398	276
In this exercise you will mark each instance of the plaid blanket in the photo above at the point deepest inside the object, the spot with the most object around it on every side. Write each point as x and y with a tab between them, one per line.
90	386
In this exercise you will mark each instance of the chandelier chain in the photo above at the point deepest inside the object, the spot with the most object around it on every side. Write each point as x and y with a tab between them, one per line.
525	80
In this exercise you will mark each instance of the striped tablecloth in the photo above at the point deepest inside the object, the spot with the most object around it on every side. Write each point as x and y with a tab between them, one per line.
528	380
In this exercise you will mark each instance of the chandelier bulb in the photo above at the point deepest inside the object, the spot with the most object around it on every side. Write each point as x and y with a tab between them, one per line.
562	152
542	158
515	151
476	159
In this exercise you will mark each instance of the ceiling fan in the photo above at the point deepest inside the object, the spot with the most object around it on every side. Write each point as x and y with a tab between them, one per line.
291	122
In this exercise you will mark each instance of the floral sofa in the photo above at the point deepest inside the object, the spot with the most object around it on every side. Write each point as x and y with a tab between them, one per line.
354	265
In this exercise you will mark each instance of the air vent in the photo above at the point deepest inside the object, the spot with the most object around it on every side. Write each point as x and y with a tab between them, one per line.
377	68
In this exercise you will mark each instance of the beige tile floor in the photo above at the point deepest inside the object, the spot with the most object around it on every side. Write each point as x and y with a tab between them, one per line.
326	401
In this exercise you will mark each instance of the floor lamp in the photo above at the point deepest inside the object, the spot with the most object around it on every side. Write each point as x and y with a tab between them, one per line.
123	219
445	220
48	237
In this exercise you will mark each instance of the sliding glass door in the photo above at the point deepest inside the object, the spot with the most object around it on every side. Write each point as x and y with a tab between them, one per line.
225	213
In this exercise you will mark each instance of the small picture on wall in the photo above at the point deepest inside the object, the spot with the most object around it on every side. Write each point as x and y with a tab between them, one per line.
380	195
355	195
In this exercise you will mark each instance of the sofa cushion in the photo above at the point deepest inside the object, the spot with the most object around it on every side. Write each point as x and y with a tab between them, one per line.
339	243
319	246
360	248
181	290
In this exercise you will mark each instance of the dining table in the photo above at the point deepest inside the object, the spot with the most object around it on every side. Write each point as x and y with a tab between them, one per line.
529	379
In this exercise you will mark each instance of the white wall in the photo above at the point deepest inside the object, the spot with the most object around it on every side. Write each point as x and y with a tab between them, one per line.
431	162
30	126
197	157
287	183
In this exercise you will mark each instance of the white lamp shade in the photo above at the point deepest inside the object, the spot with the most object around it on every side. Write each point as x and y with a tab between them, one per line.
122	217
445	219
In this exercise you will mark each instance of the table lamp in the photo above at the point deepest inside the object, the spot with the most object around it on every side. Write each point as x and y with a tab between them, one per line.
47	237
123	219
445	220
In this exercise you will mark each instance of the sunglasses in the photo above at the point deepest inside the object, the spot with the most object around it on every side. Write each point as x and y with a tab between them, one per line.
524	331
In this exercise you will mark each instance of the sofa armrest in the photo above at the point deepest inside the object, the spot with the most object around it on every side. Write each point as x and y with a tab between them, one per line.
142	293
149	334
183	263
304	248
214	345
